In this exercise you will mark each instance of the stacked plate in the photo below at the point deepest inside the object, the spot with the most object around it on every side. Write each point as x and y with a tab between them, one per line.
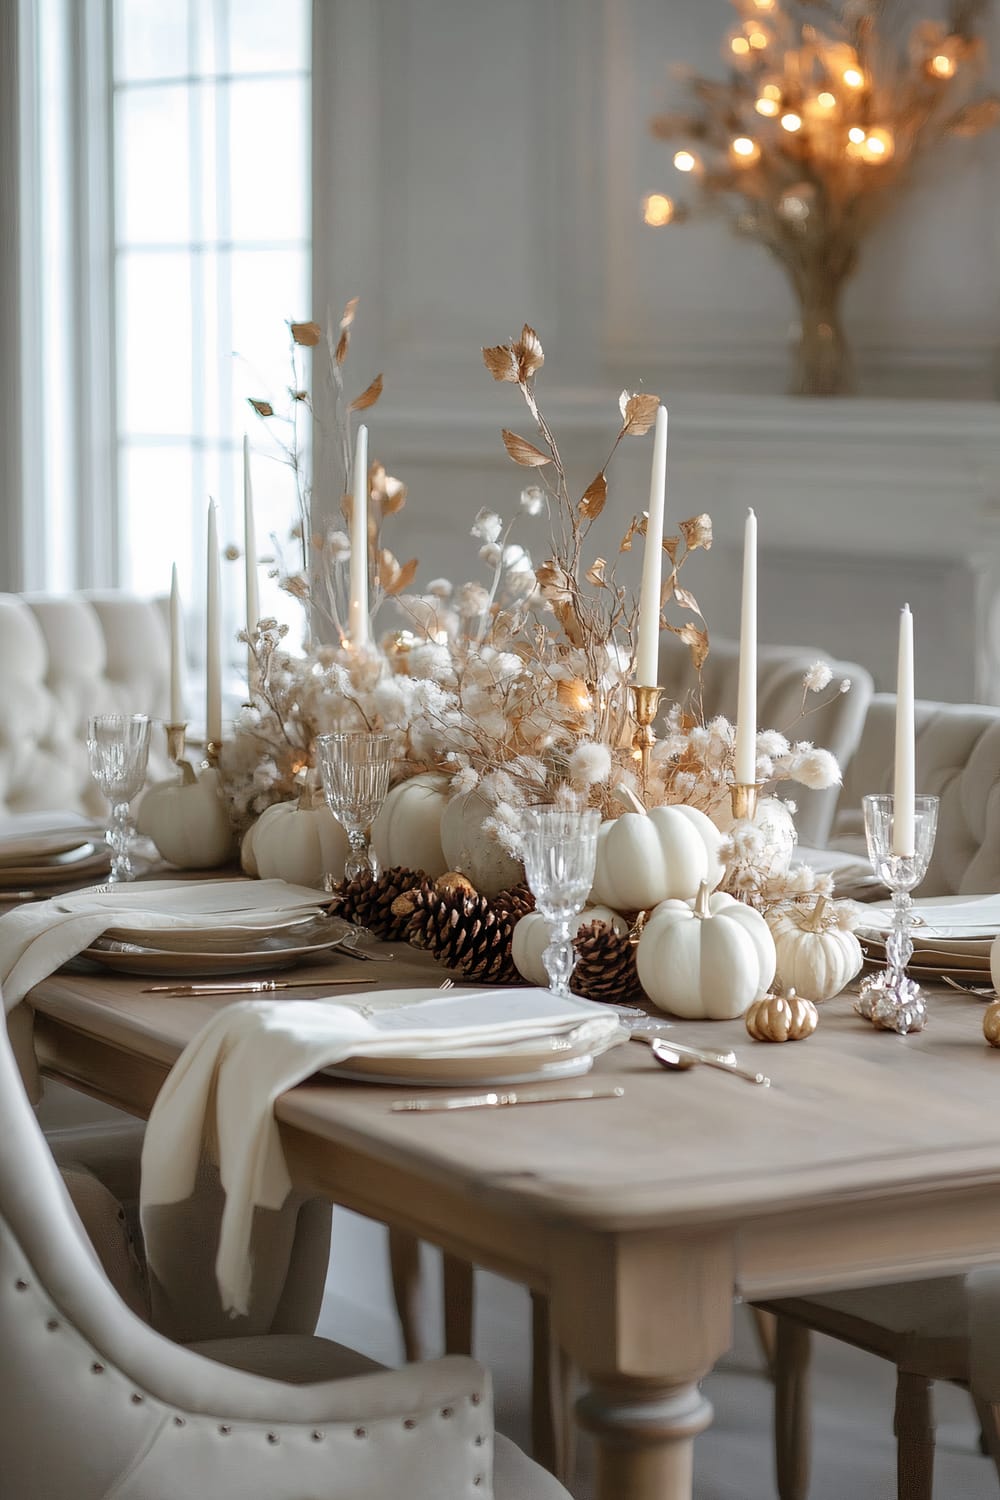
40	849
952	935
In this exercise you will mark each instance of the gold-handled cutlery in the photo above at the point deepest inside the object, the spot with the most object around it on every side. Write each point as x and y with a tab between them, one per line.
497	1099
678	1057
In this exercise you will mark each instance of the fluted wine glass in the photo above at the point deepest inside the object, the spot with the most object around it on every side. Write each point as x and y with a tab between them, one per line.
118	747
355	767
892	999
559	848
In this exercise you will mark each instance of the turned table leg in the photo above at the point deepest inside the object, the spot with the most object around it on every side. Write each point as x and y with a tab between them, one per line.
404	1266
644	1439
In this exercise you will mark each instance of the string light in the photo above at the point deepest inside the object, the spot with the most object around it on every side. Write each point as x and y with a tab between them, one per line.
942	66
854	78
657	209
684	161
745	150
739	45
758	40
855	135
791	122
879	145
771	91
826	100
764	5
767	107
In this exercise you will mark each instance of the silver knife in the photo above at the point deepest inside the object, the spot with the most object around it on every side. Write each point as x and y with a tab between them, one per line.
509	1096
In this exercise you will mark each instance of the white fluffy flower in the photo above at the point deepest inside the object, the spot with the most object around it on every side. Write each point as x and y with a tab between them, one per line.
817	677
464	780
338	544
771	743
814	768
473	600
590	762
441	588
487	525
533	500
514	555
491	553
845	685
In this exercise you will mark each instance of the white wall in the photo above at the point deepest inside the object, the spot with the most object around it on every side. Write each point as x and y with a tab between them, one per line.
479	164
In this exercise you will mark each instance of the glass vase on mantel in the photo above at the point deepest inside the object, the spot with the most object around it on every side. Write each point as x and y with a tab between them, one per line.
822	363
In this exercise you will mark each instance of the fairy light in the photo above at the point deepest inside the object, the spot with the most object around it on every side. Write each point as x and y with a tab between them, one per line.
745	149
758	40
772	91
765	6
657	209
853	77
791	122
942	66
739	45
826	100
767	107
879	145
684	161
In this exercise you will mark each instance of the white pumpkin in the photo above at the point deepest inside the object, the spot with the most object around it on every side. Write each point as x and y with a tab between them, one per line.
817	957
300	842
531	938
407	830
472	851
187	820
777	827
706	959
644	858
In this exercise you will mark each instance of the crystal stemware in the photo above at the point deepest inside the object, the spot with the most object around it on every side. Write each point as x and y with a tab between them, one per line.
118	747
355	766
559	848
890	999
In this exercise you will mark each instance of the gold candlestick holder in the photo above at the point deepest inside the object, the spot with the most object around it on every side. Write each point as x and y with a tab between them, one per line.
744	796
213	749
645	703
176	734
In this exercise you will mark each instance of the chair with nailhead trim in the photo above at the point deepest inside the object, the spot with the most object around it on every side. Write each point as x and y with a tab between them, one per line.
93	1401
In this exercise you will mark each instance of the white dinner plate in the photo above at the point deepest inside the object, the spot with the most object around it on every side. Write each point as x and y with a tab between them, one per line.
456	1072
277	952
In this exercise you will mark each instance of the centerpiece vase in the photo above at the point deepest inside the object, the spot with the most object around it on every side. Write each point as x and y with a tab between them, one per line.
821	356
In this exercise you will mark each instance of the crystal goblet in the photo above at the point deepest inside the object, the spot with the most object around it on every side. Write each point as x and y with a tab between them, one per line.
355	767
118	747
890	999
559	848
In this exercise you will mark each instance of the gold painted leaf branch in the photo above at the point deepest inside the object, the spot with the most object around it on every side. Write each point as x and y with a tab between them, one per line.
523	452
368	397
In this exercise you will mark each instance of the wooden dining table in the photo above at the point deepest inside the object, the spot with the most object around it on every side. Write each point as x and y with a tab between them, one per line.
872	1157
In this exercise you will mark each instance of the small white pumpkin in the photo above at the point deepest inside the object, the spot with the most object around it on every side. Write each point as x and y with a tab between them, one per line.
474	852
662	855
706	959
187	820
817	957
776	826
407	830
300	842
531	938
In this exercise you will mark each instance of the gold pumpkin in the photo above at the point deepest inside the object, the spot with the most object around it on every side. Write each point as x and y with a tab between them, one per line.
991	1024
781	1018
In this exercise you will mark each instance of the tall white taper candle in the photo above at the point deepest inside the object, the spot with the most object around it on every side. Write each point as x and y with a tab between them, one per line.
647	650
358	610
249	542
176	652
745	766
904	778
213	632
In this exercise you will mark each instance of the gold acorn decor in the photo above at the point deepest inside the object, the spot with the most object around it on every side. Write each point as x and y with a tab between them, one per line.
781	1018
605	965
991	1024
461	929
367	901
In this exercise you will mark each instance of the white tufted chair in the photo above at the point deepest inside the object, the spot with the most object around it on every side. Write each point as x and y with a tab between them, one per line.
61	660
836	726
957	759
94	1403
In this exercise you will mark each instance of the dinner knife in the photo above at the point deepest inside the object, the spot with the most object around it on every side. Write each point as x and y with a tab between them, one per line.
253	987
509	1096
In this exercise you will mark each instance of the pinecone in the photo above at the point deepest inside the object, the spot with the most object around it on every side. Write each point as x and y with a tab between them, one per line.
516	902
462	931
367	902
605	966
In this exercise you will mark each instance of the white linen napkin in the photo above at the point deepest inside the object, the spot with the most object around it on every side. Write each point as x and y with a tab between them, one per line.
35	940
227	1079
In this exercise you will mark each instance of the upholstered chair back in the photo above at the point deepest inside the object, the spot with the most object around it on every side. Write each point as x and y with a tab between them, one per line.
61	660
836	726
958	759
94	1403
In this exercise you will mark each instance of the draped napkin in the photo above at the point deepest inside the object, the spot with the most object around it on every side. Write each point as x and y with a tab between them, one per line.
36	940
224	1085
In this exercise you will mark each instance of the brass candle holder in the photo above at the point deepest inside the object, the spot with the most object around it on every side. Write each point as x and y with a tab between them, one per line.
645	704
176	734
744	796
213	749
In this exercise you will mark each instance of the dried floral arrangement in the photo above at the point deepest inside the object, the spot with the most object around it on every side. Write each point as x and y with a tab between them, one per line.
808	141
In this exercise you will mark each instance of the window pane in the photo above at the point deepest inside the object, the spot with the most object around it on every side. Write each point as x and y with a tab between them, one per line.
269	290
153	165
268	160
265	37
157	519
154	361
151	39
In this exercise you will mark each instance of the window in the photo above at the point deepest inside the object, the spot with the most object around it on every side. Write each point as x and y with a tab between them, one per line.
211	258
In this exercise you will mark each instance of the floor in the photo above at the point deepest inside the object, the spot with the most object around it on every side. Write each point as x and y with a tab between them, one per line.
852	1394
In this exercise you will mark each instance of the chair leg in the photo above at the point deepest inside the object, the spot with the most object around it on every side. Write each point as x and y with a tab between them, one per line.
404	1266
790	1368
914	1427
553	1422
989	1424
459	1305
